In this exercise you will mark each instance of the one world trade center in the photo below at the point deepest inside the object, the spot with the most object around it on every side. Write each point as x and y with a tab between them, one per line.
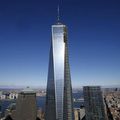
59	101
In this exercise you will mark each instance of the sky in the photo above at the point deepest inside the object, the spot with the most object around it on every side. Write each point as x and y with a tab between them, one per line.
93	35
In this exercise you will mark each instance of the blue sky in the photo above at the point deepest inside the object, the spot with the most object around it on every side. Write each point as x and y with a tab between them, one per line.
93	33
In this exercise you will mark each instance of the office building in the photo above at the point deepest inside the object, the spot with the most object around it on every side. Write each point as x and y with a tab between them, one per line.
26	108
94	106
59	102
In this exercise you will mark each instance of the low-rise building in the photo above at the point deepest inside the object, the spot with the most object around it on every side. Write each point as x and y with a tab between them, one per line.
79	113
113	103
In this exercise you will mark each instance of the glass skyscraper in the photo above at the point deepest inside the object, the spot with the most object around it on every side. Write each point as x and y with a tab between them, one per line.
59	102
94	106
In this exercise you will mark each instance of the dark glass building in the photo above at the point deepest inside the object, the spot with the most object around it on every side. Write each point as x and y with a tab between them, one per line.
59	102
94	106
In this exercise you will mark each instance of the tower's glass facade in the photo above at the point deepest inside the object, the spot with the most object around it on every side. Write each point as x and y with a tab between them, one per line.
59	91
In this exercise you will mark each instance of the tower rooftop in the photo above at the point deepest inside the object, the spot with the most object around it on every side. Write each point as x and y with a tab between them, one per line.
27	90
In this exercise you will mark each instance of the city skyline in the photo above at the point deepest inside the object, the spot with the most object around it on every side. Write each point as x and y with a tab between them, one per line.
93	41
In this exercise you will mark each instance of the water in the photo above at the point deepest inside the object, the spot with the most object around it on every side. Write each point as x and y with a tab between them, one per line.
76	96
41	102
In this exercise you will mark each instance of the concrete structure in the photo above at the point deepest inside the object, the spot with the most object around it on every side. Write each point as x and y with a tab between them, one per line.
13	95
2	97
11	111
41	114
79	113
112	100
26	108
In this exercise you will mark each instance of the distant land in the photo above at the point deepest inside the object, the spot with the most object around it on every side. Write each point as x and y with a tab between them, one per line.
43	87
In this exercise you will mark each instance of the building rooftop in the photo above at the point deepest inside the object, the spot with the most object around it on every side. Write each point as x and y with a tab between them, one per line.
28	90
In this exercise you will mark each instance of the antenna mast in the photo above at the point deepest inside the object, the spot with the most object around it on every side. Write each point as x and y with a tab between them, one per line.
58	16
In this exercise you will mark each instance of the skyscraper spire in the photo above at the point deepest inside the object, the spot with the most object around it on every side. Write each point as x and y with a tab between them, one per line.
58	15
59	100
